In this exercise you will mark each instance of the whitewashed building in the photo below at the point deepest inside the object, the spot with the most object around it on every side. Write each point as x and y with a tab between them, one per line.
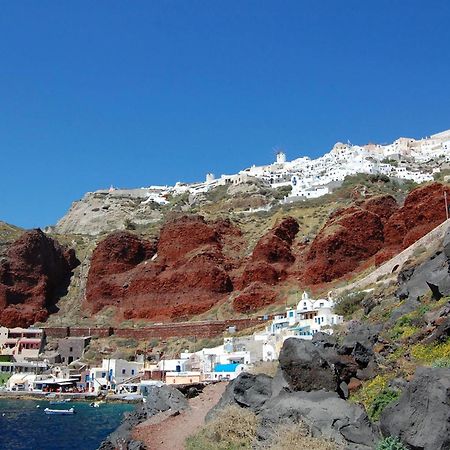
308	318
112	373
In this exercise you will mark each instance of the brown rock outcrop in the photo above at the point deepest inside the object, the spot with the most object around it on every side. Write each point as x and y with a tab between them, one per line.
272	255
377	226
348	238
185	274
423	210
35	273
254	297
384	206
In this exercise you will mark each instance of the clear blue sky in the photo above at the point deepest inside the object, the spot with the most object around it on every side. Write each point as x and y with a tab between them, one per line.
133	93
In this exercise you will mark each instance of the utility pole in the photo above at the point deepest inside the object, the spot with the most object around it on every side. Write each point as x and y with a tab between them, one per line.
446	204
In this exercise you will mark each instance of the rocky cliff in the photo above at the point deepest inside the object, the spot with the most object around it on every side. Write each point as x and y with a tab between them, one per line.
185	273
34	274
193	264
377	227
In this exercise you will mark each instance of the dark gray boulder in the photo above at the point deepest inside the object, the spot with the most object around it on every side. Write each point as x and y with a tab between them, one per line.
359	343
324	340
432	275
408	305
247	390
326	415
421	416
440	333
306	367
160	399
279	383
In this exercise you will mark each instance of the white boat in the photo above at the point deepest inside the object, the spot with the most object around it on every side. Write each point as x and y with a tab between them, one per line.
59	402
59	411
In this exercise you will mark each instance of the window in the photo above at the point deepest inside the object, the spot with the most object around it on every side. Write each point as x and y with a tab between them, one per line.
123	371
70	349
103	374
132	371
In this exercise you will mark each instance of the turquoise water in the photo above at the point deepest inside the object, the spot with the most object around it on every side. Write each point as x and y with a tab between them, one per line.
24	426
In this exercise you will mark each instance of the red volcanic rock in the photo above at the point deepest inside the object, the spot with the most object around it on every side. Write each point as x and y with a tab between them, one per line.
35	274
183	235
272	255
255	296
187	277
261	271
384	206
377	227
120	252
348	238
275	246
385	254
423	210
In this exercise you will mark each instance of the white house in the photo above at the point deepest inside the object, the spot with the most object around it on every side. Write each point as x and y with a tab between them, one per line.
225	372
111	373
309	317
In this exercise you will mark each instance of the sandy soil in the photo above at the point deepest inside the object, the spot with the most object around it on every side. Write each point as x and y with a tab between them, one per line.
169	432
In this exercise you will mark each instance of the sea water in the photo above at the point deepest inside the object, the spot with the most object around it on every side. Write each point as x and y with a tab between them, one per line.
25	426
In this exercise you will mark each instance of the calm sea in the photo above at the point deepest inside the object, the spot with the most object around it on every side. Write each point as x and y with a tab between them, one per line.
24	426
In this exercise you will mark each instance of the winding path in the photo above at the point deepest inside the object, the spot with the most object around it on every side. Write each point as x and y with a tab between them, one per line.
169	432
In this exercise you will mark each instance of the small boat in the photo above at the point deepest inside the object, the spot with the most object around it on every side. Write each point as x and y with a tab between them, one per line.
59	411
59	402
95	404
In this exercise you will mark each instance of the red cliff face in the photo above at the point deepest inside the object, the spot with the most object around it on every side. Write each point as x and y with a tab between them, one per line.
35	273
348	238
187	276
272	255
375	227
196	264
423	210
254	297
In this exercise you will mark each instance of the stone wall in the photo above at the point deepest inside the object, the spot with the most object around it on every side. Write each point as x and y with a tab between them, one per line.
207	329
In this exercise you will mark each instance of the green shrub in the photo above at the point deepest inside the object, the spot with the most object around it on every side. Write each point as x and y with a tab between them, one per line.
429	354
391	443
347	304
4	377
217	194
371	390
128	224
381	401
441	362
403	328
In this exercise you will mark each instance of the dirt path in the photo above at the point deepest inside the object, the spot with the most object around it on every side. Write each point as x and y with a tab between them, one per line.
167	432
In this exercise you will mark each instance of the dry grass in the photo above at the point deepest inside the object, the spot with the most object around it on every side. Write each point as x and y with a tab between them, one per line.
298	436
236	428
266	367
233	428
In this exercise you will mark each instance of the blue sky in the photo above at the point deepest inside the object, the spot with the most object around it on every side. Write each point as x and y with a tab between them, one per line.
152	92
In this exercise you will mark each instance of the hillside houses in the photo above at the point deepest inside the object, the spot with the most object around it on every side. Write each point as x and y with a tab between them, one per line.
405	158
302	322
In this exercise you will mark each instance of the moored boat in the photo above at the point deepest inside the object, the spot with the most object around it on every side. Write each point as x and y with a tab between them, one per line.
59	411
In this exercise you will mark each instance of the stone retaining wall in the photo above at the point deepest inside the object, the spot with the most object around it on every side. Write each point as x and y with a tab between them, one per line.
207	329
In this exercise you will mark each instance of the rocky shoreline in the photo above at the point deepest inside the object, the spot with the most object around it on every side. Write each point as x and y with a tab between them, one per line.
157	399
